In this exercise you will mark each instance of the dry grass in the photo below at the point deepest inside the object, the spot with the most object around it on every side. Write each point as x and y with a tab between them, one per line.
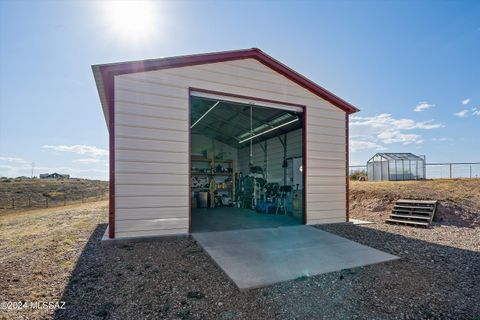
455	190
40	249
34	193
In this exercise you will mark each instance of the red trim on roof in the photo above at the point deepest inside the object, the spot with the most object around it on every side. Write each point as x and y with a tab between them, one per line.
110	70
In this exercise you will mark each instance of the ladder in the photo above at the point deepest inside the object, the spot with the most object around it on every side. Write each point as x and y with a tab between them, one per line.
413	212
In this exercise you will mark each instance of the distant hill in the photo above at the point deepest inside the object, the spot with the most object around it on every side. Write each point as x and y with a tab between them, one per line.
25	193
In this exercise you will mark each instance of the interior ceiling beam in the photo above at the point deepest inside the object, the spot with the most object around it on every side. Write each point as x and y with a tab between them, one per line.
232	139
266	124
215	130
235	139
257	140
241	113
203	116
269	130
228	121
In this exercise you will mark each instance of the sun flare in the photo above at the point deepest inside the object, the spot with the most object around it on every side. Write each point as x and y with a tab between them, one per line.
132	20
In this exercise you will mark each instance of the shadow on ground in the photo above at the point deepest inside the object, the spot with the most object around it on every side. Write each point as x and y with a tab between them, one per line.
175	279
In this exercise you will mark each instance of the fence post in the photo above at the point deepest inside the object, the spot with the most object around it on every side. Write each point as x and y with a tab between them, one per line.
64	199
83	197
29	202
46	202
450	170
13	203
470	171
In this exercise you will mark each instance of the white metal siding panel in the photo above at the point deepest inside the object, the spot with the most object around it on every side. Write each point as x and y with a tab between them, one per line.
149	156
326	174
150	122
138	233
150	202
151	136
248	87
154	179
127	131
150	213
148	167
151	160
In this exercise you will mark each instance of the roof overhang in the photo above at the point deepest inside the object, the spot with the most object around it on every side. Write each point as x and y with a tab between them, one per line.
104	73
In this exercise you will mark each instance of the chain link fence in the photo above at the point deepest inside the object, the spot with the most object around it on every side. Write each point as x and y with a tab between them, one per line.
446	170
52	199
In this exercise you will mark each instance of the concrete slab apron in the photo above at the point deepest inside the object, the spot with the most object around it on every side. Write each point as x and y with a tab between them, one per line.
261	257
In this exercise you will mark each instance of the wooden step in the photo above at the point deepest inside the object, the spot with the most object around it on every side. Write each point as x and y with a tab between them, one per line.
412	207
417	201
423	224
412	211
410	216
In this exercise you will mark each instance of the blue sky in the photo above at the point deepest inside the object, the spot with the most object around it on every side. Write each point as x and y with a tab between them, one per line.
387	58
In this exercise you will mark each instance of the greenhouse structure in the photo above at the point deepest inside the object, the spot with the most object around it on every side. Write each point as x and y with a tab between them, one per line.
395	167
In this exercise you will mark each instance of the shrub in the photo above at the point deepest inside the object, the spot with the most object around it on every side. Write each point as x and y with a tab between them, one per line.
359	175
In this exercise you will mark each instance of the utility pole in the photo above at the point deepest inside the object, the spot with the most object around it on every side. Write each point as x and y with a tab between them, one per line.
33	167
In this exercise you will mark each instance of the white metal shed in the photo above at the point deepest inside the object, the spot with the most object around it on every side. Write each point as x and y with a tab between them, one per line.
147	107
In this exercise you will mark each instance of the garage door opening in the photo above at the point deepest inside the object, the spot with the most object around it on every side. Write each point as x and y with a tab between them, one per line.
246	163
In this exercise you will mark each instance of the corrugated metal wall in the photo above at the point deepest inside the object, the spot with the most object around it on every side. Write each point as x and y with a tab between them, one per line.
200	143
151	138
274	155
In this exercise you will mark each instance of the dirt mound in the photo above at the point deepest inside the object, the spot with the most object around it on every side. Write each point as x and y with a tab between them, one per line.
459	199
458	215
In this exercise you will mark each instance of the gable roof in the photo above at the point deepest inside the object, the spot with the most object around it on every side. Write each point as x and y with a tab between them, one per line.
397	156
104	73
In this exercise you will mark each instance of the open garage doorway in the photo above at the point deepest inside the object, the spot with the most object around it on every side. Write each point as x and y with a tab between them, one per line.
246	163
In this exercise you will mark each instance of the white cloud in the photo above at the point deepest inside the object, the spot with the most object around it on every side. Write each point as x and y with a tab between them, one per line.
422	106
476	111
462	114
383	129
88	160
384	122
441	139
465	102
420	141
357	145
78	149
395	136
11	159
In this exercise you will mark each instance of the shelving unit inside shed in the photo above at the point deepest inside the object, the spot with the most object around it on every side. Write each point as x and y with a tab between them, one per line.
205	169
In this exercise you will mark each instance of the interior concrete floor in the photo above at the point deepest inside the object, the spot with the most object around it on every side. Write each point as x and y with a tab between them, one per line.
229	218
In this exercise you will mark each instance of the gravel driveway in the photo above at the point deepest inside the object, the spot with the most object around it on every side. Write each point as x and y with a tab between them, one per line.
437	277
